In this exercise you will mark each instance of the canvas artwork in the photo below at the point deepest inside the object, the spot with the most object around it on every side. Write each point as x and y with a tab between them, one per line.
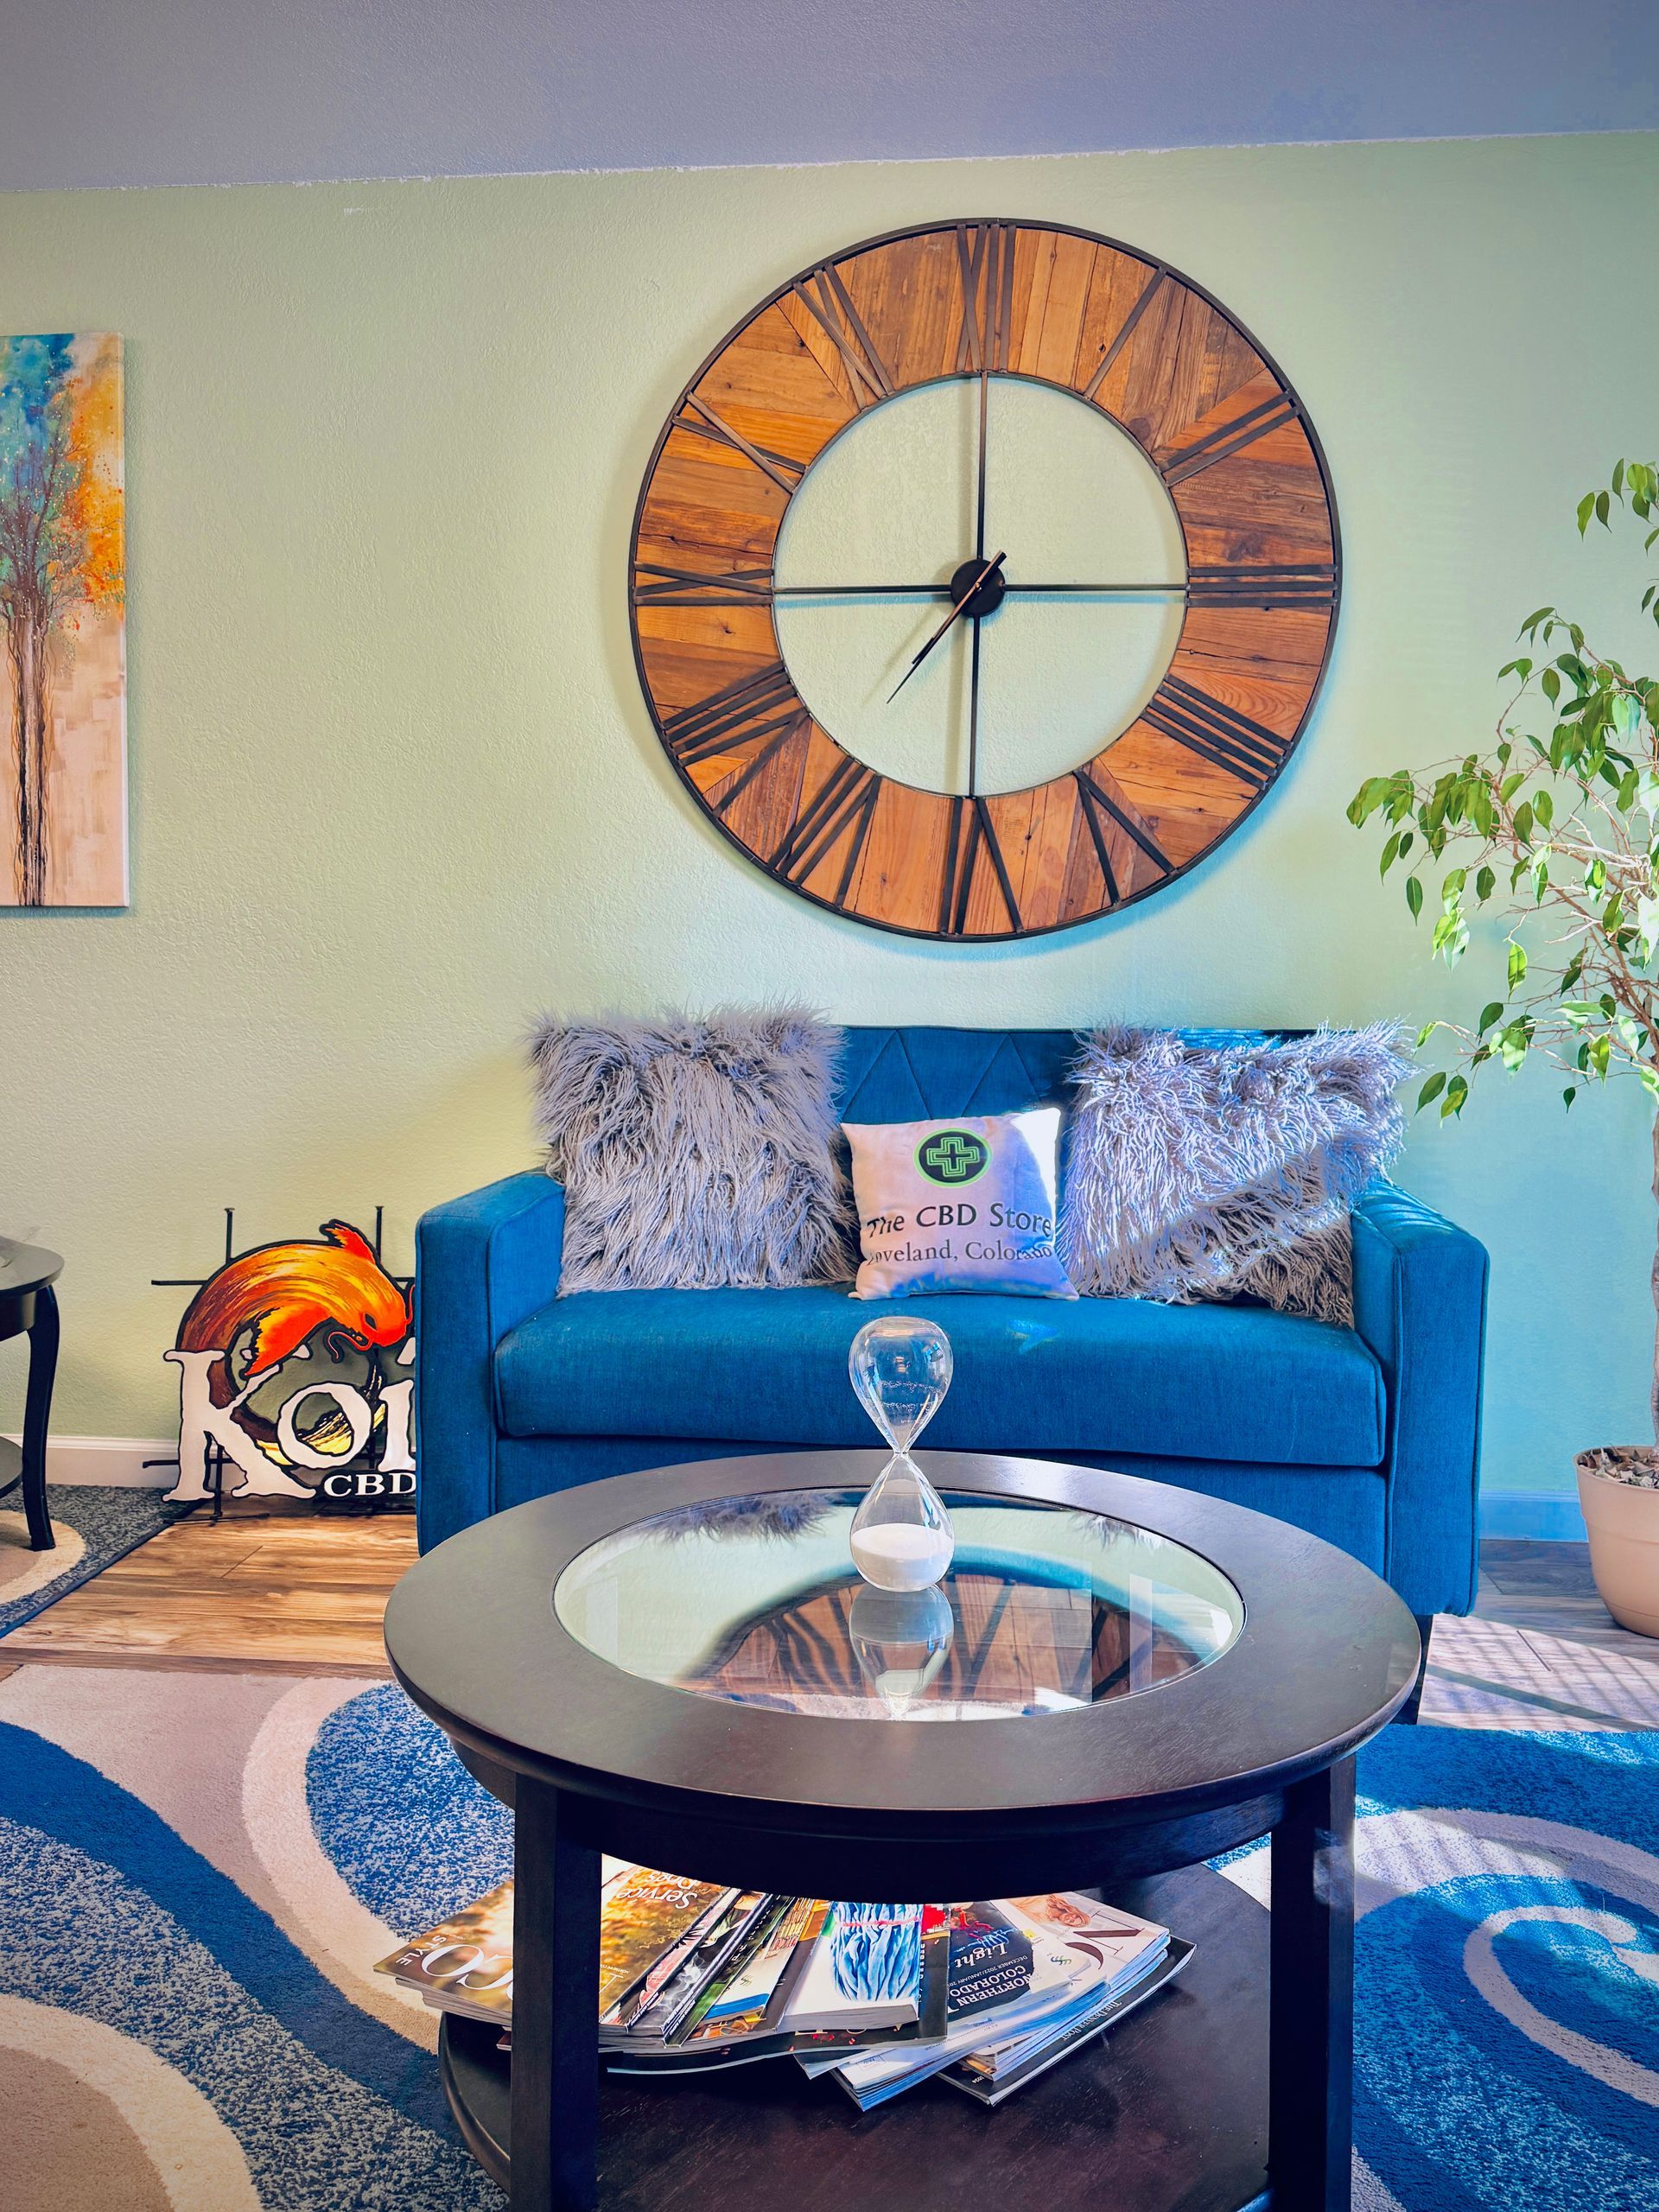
63	735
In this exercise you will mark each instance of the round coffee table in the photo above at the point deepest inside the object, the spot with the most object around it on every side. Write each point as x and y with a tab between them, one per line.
681	1667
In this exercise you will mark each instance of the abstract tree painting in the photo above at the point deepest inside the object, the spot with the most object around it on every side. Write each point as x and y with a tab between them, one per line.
63	831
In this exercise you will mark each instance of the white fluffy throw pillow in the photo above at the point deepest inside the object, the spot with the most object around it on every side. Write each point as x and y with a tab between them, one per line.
1202	1170
695	1155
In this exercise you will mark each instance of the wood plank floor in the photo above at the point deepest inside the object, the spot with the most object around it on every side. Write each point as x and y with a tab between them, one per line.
287	1593
1540	1650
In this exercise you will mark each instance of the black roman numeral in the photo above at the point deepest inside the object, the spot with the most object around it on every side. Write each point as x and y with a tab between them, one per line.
970	834
1221	444
1218	734
755	705
1125	331
1098	808
827	299
1309	584
846	798
985	336
703	422
656	585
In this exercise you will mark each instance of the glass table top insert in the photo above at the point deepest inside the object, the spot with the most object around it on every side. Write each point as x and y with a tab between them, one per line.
755	1599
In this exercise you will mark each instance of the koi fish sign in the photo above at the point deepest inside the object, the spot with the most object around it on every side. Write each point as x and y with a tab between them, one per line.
292	1363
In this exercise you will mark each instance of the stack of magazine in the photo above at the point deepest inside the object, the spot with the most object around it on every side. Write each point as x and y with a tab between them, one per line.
984	1995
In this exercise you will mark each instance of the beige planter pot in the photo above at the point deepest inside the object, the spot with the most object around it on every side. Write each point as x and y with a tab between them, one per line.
1623	1524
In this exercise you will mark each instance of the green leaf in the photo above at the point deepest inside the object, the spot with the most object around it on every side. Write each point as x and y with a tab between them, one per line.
1512	1044
1518	966
1577	1012
1543	808
1391	854
1586	508
1372	793
1413	896
1432	1089
1456	1091
1451	933
1568	1096
1426	1032
1487	1015
1486	884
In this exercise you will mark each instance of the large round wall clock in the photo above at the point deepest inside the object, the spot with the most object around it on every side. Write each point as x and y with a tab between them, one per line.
983	579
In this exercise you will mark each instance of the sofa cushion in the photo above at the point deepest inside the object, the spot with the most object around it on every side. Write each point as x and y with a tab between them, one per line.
1202	1381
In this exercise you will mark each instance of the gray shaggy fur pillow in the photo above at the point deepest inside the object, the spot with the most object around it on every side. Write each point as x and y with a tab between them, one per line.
695	1155
1215	1172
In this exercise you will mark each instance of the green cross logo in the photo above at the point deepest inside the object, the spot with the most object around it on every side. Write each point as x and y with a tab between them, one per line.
953	1156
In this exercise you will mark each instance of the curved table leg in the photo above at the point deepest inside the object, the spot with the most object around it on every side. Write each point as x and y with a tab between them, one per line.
37	1410
1311	2031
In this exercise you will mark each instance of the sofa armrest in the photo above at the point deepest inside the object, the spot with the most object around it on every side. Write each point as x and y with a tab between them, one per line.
483	1264
1419	1303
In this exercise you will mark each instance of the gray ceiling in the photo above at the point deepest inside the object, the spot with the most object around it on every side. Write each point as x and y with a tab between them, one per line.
185	91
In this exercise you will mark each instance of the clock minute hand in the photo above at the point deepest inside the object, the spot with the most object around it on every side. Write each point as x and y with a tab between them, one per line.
989	569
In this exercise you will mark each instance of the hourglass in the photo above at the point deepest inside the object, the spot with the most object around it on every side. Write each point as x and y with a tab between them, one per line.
901	1537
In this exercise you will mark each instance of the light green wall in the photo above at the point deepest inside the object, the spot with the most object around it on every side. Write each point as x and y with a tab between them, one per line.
394	788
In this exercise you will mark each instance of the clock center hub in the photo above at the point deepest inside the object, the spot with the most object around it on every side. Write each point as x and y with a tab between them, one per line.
985	598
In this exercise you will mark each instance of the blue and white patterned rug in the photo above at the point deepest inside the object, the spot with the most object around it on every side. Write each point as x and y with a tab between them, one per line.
95	1524
197	1873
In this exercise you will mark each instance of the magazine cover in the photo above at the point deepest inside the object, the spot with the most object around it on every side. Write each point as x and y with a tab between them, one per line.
865	1970
643	1916
626	2011
990	1958
932	2005
464	1961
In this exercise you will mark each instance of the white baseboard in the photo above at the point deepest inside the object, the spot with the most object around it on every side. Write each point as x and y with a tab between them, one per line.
115	1461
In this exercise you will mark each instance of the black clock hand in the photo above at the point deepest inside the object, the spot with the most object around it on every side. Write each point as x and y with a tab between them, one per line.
972	716
989	569
984	406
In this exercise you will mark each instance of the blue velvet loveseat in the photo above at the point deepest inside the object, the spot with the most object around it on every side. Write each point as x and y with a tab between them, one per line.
1368	1437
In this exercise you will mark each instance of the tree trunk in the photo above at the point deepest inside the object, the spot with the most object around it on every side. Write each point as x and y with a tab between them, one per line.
26	640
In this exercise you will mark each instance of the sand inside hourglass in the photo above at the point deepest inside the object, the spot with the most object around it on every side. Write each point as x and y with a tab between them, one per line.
901	1554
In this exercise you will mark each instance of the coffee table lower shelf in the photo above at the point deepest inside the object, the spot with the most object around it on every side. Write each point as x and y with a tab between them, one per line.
1170	2115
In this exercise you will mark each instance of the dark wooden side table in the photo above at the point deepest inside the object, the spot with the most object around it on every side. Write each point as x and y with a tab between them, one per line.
28	1307
669	1667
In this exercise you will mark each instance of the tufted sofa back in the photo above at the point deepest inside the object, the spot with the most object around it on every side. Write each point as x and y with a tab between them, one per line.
915	1074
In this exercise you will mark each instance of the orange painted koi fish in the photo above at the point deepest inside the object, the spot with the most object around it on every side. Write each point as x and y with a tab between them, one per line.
283	1292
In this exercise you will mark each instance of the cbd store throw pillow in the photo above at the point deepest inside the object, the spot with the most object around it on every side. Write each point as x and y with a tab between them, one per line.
962	1205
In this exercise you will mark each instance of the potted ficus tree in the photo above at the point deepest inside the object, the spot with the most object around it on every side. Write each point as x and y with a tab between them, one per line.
1554	831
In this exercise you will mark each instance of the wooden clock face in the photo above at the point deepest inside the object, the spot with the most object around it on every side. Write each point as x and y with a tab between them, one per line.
983	579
